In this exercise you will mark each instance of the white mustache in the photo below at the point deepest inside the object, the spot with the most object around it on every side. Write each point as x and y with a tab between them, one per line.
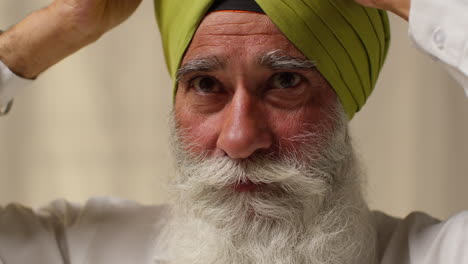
284	174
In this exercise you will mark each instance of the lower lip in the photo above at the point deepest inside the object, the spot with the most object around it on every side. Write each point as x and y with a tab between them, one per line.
246	187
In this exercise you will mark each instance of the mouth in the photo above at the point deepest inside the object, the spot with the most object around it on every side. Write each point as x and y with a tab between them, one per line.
246	186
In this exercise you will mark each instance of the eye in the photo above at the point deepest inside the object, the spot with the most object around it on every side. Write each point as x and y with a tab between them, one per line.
205	84
285	80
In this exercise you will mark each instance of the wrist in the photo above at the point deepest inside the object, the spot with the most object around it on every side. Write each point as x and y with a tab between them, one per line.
402	9
398	7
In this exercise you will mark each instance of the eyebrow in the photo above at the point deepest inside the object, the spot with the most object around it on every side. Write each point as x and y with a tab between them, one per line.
208	64
275	61
272	60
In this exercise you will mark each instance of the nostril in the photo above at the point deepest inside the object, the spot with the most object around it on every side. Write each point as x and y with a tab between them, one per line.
219	153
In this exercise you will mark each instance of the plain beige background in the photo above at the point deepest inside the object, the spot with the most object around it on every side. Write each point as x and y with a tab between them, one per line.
96	124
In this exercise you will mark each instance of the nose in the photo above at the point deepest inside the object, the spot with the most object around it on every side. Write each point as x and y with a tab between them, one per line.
245	127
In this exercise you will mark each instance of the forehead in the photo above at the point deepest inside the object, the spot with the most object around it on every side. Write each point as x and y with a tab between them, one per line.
240	37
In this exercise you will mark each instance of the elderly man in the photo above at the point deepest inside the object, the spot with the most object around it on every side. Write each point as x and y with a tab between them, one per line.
266	171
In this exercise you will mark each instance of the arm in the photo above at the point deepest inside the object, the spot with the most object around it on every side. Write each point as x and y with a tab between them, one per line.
51	34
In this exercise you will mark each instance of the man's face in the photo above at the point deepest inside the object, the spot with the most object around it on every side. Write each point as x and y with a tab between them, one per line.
245	88
266	171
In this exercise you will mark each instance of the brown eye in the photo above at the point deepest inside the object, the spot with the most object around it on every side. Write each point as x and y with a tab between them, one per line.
285	80
204	84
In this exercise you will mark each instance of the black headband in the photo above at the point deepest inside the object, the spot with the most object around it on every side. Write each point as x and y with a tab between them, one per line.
237	5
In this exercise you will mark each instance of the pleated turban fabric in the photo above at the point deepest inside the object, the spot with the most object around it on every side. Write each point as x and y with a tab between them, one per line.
348	42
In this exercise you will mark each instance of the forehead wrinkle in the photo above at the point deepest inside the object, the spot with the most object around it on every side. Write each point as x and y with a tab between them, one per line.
248	26
203	64
239	34
221	24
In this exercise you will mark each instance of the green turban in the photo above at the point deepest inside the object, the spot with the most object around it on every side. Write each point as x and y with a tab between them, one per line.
348	42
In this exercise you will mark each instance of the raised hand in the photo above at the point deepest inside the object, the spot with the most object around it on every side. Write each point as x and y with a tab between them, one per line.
95	17
398	7
52	33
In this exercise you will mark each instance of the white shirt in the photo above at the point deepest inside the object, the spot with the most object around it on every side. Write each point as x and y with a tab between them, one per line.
103	231
114	231
440	28
109	230
10	85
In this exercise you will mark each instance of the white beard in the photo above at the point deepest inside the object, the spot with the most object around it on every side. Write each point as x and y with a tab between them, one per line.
311	211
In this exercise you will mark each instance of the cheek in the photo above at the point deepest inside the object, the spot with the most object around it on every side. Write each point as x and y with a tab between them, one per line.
199	132
291	127
314	118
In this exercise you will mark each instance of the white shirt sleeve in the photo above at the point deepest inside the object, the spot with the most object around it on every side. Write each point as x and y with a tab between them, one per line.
10	85
421	239
29	237
104	230
440	28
